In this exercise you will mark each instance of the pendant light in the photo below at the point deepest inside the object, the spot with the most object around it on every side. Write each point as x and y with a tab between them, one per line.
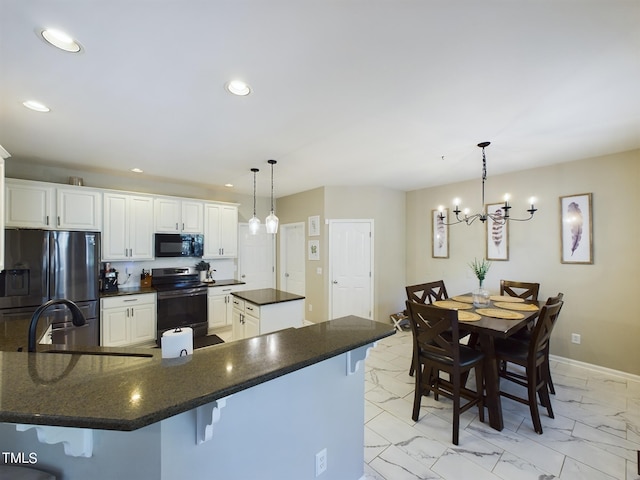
272	221
254	222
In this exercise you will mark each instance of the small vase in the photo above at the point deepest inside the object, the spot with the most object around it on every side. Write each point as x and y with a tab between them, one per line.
481	297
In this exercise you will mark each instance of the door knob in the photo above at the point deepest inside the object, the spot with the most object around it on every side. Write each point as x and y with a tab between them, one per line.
286	274
335	282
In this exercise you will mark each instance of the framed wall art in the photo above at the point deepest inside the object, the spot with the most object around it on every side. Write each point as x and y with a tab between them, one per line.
314	250
497	233
576	229
439	234
314	226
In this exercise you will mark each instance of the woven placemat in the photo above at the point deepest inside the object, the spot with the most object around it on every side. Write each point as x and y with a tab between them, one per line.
463	298
452	305
499	313
464	316
506	298
523	307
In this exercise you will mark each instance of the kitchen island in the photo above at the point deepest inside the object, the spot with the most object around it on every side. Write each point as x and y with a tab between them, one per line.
256	312
255	408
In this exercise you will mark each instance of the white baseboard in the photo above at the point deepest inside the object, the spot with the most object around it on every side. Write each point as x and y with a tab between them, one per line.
596	368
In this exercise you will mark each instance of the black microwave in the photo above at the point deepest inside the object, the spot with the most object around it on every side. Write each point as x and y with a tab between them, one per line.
179	245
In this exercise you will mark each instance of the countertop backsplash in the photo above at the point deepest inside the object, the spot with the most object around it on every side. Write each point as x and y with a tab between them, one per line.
129	272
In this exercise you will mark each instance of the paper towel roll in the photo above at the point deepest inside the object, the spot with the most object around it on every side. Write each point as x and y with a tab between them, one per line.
177	343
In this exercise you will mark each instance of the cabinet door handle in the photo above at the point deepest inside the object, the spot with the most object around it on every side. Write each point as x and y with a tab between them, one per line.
47	220
130	300
183	226
176	226
58	220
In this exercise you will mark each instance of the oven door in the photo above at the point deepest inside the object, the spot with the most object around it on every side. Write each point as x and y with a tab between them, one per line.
182	308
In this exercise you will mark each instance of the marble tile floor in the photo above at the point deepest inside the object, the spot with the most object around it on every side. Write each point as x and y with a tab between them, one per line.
595	434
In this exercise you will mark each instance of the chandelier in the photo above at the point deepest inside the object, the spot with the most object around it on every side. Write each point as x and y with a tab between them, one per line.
500	216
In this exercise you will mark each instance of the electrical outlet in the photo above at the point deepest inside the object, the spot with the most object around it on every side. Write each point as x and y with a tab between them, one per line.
310	308
575	338
321	462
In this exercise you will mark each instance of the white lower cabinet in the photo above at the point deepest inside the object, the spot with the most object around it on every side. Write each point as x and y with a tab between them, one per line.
250	319
220	306
246	319
127	320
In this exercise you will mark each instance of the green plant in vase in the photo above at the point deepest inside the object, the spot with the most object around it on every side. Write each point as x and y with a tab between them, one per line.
480	269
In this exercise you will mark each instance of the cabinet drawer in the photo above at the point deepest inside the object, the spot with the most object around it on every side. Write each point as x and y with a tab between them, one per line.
238	304
251	309
128	300
218	291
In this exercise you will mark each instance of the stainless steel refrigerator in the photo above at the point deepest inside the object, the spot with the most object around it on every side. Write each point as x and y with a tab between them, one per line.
41	265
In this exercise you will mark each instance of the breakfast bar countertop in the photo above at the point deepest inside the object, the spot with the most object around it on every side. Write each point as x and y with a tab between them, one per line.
266	296
127	389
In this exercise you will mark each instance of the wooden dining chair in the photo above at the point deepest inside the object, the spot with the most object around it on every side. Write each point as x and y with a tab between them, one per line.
434	352
425	293
524	290
533	356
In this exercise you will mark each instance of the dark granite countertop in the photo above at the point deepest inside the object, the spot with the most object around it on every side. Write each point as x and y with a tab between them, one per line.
138	290
126	393
133	290
266	296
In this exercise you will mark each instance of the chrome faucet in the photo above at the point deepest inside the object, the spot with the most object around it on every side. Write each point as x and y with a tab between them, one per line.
76	317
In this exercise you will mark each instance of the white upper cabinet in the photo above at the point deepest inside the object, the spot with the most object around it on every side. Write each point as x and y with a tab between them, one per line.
41	205
128	227
178	215
78	208
220	230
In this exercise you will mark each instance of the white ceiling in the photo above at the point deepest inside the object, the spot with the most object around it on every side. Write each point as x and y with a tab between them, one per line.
345	92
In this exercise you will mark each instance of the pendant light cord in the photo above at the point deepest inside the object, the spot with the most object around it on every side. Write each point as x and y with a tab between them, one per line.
254	170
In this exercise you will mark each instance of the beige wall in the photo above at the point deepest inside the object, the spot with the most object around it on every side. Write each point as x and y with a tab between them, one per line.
386	208
298	208
599	299
403	243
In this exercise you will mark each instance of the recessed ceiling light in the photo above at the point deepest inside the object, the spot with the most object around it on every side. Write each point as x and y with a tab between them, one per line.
36	106
238	87
228	185
137	170
59	39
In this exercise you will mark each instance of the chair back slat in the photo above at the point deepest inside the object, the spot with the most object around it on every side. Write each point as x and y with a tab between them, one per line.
524	290
544	326
435	330
427	292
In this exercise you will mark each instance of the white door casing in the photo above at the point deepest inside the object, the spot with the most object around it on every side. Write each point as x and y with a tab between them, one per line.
256	258
292	258
351	268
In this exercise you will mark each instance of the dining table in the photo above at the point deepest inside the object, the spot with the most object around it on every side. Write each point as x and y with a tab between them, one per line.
485	326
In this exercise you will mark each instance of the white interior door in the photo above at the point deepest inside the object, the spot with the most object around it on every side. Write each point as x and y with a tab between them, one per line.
292	260
351	268
256	258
